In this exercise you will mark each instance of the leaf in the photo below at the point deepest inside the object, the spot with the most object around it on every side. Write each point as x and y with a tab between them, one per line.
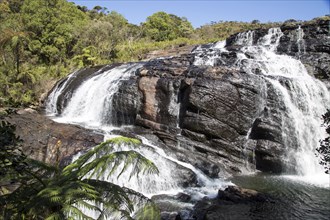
148	212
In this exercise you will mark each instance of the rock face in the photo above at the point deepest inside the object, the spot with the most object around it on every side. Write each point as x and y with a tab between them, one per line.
219	118
48	141
207	111
310	43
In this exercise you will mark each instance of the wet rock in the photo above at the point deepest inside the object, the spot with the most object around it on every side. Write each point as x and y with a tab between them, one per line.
313	49
265	129
233	202
51	142
175	207
126	104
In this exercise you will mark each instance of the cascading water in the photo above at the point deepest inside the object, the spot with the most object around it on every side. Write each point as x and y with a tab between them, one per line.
305	98
300	41
245	38
52	98
91	103
205	56
90	106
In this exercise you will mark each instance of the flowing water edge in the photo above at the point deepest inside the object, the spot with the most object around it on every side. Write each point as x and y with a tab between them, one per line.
303	99
297	200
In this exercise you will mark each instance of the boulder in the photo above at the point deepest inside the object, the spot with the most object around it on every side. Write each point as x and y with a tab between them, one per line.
174	207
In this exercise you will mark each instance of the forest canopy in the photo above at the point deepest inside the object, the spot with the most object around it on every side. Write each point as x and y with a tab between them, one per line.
44	40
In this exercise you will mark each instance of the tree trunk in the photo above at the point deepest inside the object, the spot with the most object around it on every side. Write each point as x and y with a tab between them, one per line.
17	58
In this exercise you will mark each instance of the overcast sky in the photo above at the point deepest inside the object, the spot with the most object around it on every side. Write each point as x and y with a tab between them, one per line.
202	12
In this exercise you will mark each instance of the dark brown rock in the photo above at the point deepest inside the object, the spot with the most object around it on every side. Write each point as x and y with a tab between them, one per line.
233	202
49	141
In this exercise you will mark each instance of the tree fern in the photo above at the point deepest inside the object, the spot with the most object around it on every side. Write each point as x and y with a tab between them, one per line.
49	192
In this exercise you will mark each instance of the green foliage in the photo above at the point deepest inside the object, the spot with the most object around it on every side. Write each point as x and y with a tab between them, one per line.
12	160
52	192
104	35
324	149
140	48
162	26
43	40
87	58
223	29
53	23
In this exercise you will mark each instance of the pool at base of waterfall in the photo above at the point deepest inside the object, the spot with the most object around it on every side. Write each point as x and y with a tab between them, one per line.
293	198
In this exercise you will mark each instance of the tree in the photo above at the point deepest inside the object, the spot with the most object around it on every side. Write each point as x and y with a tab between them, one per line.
324	149
15	40
52	192
53	24
162	26
104	35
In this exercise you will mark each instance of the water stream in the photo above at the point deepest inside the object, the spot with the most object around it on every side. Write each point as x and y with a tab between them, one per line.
304	98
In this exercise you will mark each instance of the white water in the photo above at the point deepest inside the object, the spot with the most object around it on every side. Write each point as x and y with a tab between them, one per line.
305	98
209	187
91	103
209	57
90	106
300	41
166	182
245	38
169	177
51	109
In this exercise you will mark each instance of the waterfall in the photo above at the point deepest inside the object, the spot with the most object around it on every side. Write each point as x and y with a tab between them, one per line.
245	38
300	41
170	172
91	104
167	182
209	55
51	103
305	98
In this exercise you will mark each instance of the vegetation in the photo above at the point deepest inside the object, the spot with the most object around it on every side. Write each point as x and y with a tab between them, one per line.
12	159
324	149
162	26
33	190
43	40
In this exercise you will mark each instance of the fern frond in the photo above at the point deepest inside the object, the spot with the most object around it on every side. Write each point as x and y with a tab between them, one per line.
87	205
148	212
56	216
112	162
83	159
72	212
101	159
63	194
115	198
